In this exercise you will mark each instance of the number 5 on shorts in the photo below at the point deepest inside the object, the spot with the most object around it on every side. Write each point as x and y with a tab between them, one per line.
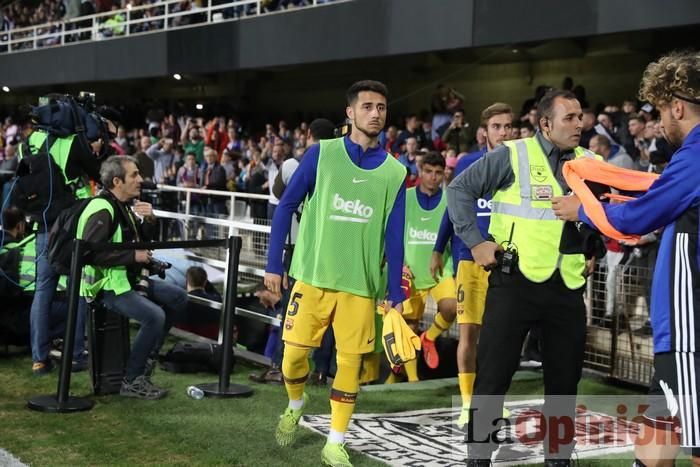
294	304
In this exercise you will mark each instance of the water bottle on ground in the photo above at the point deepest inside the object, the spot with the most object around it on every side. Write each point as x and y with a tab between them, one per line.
195	393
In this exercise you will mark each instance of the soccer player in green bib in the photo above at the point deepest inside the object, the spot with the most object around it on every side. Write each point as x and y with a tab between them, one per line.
425	206
354	210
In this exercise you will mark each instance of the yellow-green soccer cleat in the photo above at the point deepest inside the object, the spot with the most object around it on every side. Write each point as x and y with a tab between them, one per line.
464	415
335	455
287	426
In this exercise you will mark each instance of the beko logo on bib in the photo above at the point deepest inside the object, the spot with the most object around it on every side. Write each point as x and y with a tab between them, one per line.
353	208
422	234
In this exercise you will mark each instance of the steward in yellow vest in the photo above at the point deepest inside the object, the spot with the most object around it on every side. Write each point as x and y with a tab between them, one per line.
531	284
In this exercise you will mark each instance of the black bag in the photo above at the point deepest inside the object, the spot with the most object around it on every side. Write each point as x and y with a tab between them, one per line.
64	230
40	189
193	357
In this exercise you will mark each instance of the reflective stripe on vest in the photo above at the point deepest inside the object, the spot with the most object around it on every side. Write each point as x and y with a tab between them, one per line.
525	206
95	278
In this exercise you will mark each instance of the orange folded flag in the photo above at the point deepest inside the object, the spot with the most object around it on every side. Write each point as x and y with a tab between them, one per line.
576	173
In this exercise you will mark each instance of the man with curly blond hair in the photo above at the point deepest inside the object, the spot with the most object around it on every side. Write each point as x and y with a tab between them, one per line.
672	421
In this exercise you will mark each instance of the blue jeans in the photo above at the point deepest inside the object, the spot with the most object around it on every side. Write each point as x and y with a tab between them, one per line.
40	314
155	320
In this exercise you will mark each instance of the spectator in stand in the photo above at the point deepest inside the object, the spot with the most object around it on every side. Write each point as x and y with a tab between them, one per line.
638	146
217	137
283	131
163	157
170	128
526	130
588	128
456	136
146	166
629	106
606	126
230	168
515	131
192	141
428	132
480	141
10	128
450	165
444	103
188	176
409	160
413	130
121	140
390	137
257	183
242	163
87	8
613	154
214	178
234	144
272	167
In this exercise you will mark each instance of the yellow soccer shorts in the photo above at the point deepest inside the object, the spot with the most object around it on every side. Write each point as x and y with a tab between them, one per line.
311	310
414	306
472	282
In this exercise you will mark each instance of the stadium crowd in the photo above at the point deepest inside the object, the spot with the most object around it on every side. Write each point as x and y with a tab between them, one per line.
176	149
51	13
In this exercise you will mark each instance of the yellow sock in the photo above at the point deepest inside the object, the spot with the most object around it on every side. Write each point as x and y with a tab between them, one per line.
411	367
439	325
391	379
344	390
466	386
295	370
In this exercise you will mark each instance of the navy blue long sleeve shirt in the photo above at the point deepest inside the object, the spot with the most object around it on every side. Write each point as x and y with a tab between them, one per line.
303	183
427	201
672	202
460	251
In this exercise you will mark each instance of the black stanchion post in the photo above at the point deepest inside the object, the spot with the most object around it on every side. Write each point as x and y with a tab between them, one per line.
62	401
223	388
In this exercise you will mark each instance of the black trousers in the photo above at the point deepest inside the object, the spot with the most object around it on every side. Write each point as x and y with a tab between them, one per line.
513	306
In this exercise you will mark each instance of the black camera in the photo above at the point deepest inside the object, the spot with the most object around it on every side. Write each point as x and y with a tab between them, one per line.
154	268
157	268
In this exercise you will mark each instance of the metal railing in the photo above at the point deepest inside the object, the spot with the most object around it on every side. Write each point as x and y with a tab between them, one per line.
133	20
619	342
189	219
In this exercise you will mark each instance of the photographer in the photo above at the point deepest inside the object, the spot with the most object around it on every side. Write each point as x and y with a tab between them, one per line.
119	278
55	168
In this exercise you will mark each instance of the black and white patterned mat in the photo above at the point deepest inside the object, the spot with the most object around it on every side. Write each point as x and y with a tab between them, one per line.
430	438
